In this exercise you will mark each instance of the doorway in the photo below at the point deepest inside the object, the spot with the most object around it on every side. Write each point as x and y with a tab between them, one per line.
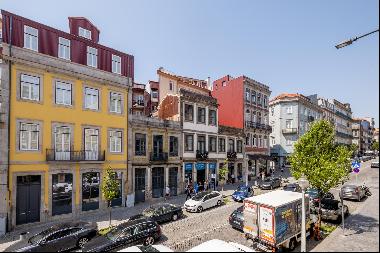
28	199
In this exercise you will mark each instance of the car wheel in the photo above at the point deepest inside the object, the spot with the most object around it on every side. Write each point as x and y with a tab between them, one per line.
339	220
219	203
292	244
175	217
200	209
82	241
149	241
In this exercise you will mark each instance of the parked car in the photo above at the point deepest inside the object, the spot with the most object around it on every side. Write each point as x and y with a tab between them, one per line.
292	187
236	219
61	237
141	231
352	192
242	192
331	210
149	248
375	164
270	183
161	213
216	245
203	200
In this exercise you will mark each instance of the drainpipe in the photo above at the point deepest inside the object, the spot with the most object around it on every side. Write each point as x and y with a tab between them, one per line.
9	111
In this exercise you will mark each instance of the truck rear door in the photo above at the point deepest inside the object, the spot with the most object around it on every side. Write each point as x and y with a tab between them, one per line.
266	221
250	219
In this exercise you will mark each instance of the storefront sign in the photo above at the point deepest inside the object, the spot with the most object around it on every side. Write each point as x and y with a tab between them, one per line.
188	166
200	166
212	166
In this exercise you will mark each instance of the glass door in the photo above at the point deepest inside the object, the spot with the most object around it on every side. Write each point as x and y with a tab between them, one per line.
62	143
91	137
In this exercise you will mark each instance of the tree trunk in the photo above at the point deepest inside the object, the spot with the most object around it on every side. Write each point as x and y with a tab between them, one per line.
110	212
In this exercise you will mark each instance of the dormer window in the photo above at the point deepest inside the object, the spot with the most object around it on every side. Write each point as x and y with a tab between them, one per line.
84	33
116	64
30	38
92	57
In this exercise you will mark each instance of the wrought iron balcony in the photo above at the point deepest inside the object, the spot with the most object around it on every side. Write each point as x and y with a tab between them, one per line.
290	131
158	157
231	156
202	154
310	118
75	156
255	125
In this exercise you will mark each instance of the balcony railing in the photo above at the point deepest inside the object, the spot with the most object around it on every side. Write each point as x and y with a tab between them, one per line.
251	124
202	155
75	156
290	131
158	157
231	156
343	135
343	115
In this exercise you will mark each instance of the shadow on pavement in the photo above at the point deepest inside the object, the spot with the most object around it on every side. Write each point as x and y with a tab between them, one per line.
360	224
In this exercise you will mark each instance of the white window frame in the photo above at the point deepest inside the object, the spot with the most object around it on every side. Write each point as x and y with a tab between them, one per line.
116	64
289	109
289	142
116	141
66	90
28	136
30	35
93	95
64	46
31	86
291	123
115	102
92	57
84	33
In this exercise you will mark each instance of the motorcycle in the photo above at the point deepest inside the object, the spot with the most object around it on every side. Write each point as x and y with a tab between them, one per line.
367	191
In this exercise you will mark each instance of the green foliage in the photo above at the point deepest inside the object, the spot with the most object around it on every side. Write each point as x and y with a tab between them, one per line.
223	172
328	228
324	164
354	148
110	187
375	145
104	231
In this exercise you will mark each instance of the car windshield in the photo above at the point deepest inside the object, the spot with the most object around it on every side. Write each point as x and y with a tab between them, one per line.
268	179
114	233
199	196
38	237
289	187
148	212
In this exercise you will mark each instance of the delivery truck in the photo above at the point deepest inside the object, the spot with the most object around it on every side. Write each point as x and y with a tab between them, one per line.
273	220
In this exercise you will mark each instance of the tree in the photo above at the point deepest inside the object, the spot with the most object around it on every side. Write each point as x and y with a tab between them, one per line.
354	148
375	145
110	188
223	172
324	164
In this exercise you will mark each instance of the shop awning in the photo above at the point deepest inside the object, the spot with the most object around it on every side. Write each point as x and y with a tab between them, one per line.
260	156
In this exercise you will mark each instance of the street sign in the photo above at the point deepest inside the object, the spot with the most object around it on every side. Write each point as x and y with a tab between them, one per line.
355	165
356	170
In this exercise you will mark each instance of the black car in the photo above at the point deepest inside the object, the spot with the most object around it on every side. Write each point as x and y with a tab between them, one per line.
331	210
270	183
292	188
61	237
161	213
236	219
127	234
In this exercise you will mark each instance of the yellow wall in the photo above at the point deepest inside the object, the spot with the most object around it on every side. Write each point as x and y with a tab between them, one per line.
48	112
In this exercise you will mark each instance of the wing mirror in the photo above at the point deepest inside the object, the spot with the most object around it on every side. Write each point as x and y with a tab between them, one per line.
43	242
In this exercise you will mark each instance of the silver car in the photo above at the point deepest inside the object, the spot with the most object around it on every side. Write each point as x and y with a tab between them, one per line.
352	192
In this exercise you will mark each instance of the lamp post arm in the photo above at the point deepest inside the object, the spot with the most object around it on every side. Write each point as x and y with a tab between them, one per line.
364	35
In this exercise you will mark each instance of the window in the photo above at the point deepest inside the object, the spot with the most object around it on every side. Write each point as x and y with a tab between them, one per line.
91	98
189	142
260	142
265	101
254	117
30	38
30	87
247	95
265	142
212	117
289	142
115	102
92	57
63	93
253	97
173	148
212	144
62	187
29	135
222	145
116	141
289	123
239	147
254	140
154	94
140	141
201	145
259	117
289	110
224	83
64	48
201	115
84	33
259	99
189	112
170	85
247	139
273	141
231	145
116	64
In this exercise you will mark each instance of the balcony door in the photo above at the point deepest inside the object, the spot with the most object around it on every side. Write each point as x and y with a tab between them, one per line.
91	140
62	143
158	144
201	144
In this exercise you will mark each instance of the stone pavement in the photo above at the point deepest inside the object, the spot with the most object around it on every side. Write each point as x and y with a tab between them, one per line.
361	227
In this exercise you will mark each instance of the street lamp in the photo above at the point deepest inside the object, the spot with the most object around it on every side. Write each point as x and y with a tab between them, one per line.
303	184
350	41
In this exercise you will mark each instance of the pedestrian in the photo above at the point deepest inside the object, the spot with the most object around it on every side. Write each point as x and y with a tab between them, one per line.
188	192
282	168
196	187
167	192
232	178
205	185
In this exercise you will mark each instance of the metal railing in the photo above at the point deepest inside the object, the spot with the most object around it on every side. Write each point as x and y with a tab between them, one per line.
157	157
201	154
75	156
251	124
289	131
231	156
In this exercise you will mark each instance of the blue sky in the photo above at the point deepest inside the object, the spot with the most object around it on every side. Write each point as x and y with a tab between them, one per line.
288	45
